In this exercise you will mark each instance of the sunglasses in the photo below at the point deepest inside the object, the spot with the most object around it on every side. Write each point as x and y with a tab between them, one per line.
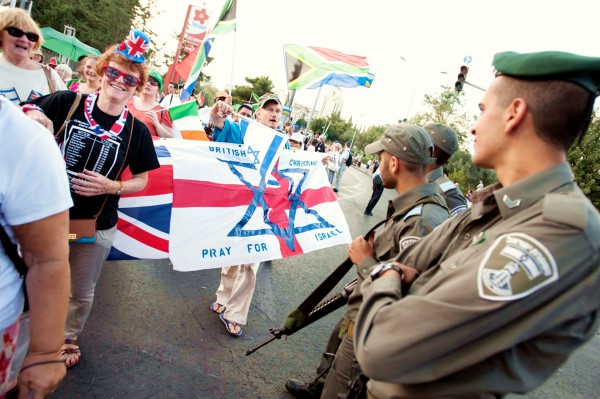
16	32
153	82
114	73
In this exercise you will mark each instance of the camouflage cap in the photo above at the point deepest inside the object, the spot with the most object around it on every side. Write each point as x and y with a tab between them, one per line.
265	98
409	143
551	65
444	137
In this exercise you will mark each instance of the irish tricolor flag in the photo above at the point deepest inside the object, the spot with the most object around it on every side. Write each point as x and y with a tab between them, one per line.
186	122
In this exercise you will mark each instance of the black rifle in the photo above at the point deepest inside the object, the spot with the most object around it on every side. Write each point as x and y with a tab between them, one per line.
321	310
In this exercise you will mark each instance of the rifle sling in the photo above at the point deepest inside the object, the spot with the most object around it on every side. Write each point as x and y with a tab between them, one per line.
336	276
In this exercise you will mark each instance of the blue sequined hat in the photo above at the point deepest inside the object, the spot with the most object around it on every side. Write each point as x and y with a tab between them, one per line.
134	45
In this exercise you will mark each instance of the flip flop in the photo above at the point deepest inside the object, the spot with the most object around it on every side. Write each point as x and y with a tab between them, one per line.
234	324
217	307
65	353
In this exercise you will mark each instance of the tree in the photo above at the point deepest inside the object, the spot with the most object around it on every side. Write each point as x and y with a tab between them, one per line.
97	23
442	109
585	161
259	85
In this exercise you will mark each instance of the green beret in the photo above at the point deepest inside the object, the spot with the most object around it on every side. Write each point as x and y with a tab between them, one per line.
551	65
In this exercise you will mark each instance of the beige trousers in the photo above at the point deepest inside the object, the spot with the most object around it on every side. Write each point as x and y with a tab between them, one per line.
236	290
86	262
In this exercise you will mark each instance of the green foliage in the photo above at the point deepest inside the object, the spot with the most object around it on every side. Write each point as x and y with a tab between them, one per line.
98	23
337	128
461	170
302	122
373	133
259	85
585	161
442	110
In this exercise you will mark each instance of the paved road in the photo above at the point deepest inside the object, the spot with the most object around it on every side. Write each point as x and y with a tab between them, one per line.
151	334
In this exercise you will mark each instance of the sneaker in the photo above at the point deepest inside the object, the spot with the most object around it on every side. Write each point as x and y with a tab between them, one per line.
304	391
368	213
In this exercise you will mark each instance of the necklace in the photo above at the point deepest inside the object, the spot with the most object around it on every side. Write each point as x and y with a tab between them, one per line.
115	129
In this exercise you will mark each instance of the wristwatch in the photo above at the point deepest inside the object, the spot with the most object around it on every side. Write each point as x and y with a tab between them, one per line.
384	267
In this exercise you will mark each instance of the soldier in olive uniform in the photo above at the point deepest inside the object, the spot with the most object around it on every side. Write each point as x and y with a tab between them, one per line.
495	300
445	144
405	151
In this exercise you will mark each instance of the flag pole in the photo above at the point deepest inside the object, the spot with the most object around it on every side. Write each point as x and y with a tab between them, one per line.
232	62
313	109
180	44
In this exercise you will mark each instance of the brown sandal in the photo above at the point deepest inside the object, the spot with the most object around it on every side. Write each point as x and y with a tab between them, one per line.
70	351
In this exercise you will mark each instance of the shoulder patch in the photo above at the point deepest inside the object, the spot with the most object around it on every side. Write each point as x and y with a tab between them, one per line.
515	266
458	209
407	241
416	211
447	186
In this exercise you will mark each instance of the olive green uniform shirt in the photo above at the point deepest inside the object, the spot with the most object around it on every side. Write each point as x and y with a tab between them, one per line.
455	199
408	223
508	289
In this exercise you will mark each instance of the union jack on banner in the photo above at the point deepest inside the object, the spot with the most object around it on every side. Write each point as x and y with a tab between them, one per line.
212	205
145	217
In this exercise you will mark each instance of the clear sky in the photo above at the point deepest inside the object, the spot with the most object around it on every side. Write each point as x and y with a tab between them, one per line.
409	44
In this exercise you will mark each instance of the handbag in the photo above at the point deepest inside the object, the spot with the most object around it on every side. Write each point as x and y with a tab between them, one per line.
334	164
82	231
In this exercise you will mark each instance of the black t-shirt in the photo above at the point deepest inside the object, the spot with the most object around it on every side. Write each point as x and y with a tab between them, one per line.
83	149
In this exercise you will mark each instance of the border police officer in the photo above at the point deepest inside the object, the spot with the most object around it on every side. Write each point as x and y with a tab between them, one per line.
405	151
495	300
445	144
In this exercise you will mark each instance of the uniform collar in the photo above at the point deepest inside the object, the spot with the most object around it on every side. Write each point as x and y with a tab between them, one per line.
522	194
435	174
406	201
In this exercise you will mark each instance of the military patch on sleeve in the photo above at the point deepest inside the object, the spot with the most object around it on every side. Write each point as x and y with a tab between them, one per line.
407	241
515	266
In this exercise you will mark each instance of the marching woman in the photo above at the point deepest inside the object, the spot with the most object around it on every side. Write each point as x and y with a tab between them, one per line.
99	140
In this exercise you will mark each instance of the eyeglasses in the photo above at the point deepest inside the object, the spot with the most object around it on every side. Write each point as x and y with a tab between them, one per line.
114	73
153	82
221	98
16	32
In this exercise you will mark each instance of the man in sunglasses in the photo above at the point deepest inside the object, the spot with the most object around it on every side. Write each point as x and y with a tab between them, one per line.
21	78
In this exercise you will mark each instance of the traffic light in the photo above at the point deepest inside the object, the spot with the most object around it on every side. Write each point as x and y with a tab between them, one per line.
462	76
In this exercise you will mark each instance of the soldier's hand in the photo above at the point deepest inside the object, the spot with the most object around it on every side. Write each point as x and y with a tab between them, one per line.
409	274
360	249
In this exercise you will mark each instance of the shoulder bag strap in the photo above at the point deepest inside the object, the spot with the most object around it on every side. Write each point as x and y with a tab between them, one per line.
48	74
122	165
59	135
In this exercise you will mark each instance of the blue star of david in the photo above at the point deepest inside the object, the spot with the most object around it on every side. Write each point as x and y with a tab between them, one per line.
254	154
286	234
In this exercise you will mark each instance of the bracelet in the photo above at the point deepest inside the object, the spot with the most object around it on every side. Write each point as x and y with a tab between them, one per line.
40	364
120	190
31	107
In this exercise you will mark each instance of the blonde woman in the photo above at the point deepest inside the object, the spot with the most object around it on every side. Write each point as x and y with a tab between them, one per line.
88	73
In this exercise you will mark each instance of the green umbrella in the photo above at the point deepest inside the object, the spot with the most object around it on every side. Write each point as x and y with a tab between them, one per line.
67	46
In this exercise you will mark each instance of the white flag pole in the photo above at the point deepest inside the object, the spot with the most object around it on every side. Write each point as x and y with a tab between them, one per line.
313	110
